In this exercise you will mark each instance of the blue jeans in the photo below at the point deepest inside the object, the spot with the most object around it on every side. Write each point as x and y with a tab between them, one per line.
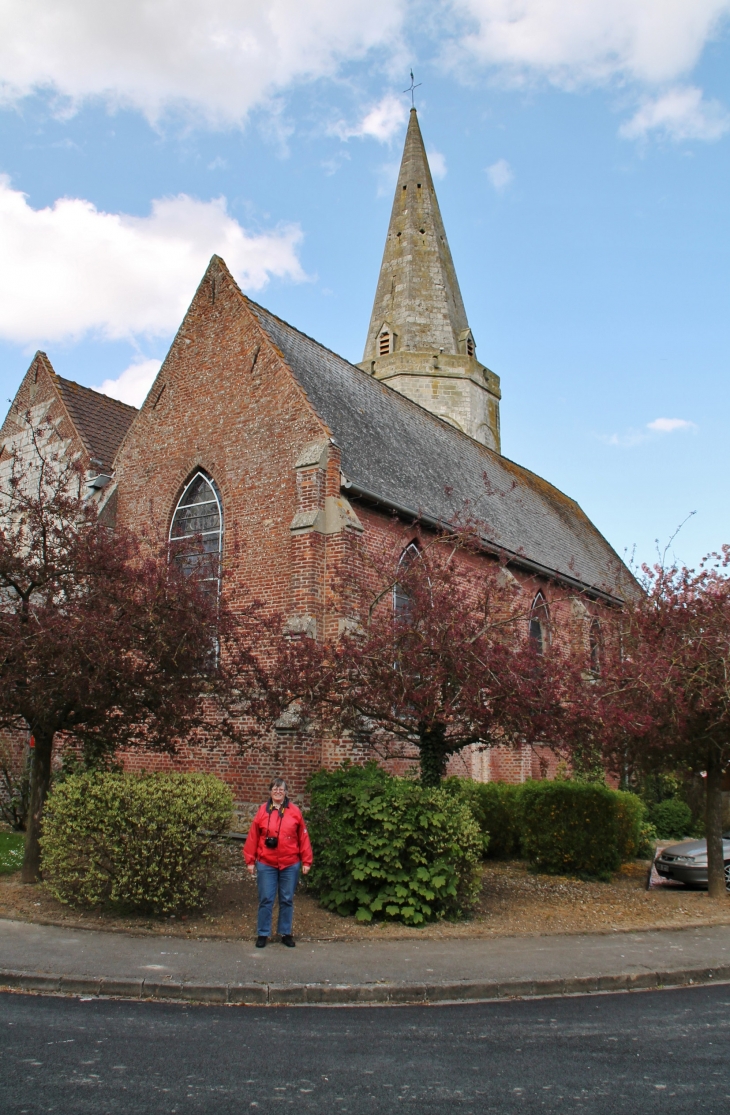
270	880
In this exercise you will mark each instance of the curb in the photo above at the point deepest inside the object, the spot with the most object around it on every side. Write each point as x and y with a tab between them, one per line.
319	994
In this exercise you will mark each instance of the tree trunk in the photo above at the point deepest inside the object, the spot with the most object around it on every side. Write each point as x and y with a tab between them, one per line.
434	754
40	780
713	827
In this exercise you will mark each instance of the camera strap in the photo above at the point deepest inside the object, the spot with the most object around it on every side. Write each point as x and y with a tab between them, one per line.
281	818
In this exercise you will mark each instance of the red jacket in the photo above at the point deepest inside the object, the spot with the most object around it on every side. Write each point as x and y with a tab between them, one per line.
289	826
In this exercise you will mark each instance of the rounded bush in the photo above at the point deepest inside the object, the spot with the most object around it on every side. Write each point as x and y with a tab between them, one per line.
672	819
134	842
570	828
390	848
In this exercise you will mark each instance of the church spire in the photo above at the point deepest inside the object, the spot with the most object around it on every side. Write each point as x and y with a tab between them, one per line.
419	338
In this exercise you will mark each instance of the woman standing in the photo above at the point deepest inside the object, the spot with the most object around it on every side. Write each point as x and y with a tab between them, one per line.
276	847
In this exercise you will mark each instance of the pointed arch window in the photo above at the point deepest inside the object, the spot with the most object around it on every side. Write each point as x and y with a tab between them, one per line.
539	629
595	645
196	531
401	599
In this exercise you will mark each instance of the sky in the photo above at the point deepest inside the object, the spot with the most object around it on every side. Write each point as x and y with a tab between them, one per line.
581	156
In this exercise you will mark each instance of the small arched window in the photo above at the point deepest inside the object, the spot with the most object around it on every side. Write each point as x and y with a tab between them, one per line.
196	532
401	599
539	629
595	643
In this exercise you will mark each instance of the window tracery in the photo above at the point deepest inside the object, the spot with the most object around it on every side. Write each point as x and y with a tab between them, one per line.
401	599
539	629
196	531
595	643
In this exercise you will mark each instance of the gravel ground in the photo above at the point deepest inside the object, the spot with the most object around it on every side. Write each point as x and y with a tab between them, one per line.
514	902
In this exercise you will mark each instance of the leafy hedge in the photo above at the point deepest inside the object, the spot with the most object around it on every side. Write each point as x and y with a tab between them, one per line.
570	828
557	830
633	830
494	806
390	848
134	842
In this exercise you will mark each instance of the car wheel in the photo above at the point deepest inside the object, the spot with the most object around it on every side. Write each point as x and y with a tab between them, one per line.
727	875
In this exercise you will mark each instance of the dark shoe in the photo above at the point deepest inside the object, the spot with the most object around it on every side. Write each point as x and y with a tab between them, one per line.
261	942
289	941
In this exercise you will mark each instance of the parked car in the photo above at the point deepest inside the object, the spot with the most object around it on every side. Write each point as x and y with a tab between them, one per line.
687	862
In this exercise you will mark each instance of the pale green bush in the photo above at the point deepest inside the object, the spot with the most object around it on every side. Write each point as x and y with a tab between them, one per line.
135	842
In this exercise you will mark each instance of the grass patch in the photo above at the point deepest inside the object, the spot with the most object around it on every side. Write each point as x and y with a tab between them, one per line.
11	852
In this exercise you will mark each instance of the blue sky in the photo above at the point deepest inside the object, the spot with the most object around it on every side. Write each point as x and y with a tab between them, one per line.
581	151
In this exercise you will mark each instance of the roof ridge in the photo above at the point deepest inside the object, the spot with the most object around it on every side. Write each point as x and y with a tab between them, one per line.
371	379
443	422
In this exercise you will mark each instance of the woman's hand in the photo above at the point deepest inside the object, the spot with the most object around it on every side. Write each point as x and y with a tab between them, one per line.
251	868
305	868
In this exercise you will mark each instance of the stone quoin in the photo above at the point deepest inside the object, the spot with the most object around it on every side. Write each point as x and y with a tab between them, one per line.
302	456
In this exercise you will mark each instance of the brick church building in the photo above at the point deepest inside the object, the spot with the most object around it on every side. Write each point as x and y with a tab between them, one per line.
283	453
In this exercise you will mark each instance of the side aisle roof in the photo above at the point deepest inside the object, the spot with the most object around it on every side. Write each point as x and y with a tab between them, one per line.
407	458
101	422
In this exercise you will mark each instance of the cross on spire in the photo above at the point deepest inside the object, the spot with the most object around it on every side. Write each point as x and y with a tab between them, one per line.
412	89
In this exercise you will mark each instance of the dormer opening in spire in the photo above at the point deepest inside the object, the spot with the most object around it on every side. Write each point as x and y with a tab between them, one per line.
386	340
418	296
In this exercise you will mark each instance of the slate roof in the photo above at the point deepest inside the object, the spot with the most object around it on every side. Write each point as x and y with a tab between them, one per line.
101	422
409	459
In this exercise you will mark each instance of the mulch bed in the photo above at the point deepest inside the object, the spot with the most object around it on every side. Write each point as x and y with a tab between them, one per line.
513	902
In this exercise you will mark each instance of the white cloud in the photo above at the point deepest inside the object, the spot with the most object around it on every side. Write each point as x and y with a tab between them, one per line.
437	162
71	269
218	58
384	121
576	41
681	113
133	384
649	44
669	425
500	174
657	426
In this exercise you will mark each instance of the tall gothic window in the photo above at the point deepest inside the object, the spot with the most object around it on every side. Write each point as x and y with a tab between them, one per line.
401	599
196	533
539	629
595	643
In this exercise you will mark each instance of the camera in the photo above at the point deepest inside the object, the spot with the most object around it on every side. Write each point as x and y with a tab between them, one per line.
271	841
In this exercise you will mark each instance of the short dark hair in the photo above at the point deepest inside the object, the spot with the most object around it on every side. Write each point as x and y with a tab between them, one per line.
277	782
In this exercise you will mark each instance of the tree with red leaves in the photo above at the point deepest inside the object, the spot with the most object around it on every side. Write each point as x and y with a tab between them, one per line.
100	641
438	658
662	701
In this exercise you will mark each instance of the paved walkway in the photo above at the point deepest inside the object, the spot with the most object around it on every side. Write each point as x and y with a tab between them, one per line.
90	962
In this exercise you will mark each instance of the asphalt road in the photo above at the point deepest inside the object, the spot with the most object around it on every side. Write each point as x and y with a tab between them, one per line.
661	1051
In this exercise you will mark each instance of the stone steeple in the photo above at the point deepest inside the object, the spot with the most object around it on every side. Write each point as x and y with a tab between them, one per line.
419	339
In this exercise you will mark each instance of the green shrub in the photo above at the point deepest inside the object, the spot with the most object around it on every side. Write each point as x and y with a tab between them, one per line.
391	848
631	817
570	828
672	819
495	808
11	852
134	842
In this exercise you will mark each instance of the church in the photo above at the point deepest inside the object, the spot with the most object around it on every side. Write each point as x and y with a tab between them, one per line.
282	454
